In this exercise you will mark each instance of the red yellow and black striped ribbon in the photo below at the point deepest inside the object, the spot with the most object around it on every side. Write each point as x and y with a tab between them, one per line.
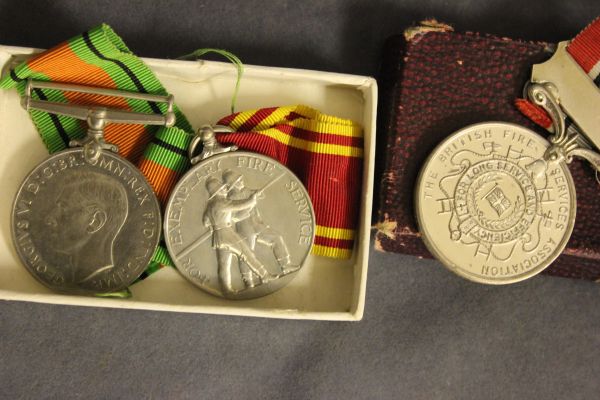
100	58
325	152
585	50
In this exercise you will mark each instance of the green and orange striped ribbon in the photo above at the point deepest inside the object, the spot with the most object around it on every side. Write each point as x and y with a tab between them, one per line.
100	58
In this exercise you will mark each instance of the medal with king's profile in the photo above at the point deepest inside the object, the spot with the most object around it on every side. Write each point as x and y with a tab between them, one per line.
238	225
85	220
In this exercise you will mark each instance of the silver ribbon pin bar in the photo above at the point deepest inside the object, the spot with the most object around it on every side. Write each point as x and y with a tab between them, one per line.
97	117
562	88
573	89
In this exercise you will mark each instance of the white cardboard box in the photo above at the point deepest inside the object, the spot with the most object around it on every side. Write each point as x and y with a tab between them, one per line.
325	289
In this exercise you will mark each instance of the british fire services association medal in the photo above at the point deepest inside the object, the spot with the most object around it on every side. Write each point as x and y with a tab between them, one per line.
495	202
491	207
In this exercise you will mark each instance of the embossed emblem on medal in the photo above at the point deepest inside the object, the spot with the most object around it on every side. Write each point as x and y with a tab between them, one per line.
492	206
238	225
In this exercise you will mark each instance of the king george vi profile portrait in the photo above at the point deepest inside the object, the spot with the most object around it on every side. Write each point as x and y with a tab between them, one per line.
84	221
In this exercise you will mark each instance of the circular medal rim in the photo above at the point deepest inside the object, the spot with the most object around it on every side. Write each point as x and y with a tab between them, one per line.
74	291
457	269
190	172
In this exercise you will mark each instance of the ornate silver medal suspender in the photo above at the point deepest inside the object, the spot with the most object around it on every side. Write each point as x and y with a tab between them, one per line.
231	223
85	220
495	202
562	88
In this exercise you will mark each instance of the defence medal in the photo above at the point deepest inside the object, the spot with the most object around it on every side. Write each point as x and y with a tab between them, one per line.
85	220
495	202
238	224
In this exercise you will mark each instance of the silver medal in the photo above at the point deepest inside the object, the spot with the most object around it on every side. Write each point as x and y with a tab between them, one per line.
491	206
495	202
238	224
85	220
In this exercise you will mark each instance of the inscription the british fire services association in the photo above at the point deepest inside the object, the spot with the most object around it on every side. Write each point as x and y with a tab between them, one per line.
489	205
88	227
250	213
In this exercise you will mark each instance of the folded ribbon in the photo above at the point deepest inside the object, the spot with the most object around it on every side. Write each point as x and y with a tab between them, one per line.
325	152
